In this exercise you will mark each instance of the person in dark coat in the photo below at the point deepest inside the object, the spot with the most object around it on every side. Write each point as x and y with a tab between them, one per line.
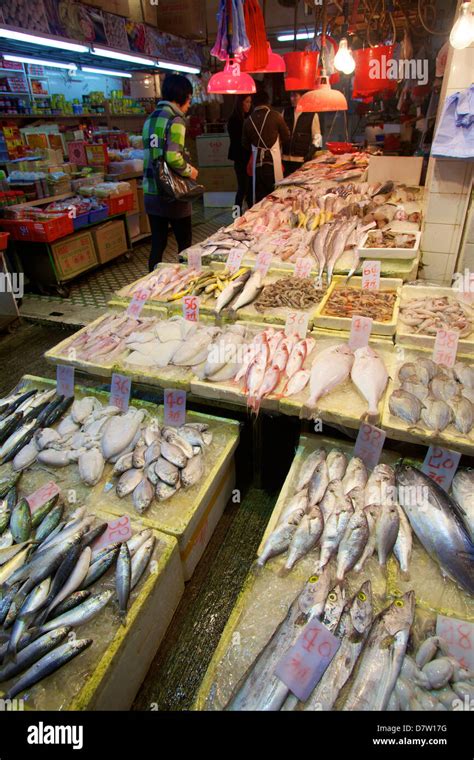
305	135
237	153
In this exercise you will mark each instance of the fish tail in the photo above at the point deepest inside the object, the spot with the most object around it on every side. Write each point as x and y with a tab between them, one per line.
284	571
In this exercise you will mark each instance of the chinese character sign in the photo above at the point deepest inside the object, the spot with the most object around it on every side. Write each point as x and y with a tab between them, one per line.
361	327
175	407
371	275
120	391
440	465
369	444
445	347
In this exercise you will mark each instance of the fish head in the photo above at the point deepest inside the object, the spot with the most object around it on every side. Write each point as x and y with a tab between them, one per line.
316	586
399	616
356	496
361	609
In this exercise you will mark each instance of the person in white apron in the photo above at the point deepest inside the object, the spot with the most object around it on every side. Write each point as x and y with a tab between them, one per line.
266	162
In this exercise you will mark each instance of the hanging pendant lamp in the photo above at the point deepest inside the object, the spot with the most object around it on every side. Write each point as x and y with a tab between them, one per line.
231	81
322	98
275	65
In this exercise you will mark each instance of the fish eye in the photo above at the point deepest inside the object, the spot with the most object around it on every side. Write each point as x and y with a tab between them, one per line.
332	596
399	603
361	596
314	579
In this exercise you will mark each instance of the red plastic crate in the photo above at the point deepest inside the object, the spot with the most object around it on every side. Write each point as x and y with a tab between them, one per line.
118	204
19	229
4	240
56	227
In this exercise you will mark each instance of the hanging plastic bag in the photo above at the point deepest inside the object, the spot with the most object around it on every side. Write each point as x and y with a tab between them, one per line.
454	137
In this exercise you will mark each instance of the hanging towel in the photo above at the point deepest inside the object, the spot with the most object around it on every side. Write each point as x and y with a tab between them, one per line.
257	55
239	40
454	137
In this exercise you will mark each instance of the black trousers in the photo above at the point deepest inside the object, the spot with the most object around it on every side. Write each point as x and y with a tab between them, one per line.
264	181
244	185
182	230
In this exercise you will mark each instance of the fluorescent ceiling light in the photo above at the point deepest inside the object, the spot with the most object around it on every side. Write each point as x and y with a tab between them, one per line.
39	62
72	47
291	37
178	67
106	72
123	56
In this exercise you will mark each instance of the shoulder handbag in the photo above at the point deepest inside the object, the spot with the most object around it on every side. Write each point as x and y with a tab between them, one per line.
171	184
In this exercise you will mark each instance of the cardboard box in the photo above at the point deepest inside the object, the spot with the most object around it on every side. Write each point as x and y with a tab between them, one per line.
73	255
145	228
133	224
110	240
134	188
212	149
186	16
406	169
218	180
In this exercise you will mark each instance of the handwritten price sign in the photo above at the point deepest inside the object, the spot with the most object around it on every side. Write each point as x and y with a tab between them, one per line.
445	347
64	380
459	636
303	267
304	663
361	327
195	260
138	302
297	324
175	407
120	391
191	308
117	530
234	260
440	465
42	495
371	275
369	444
263	262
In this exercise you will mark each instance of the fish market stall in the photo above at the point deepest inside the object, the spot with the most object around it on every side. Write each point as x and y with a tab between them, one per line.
279	598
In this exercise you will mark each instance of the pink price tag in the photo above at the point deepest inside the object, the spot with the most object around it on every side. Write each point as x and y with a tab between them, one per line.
303	266
64	380
369	444
263	262
440	465
459	637
361	328
191	308
117	530
138	302
303	665
297	324
234	260
175	407
120	391
195	260
42	495
445	347
371	275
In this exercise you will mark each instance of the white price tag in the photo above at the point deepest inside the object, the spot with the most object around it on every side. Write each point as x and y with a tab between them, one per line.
138	302
64	380
369	444
195	260
120	388
263	262
191	308
445	347
440	465
297	324
175	407
371	275
361	327
459	637
303	267
234	260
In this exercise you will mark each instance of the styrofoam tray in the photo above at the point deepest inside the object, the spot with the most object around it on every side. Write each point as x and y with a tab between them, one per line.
389	253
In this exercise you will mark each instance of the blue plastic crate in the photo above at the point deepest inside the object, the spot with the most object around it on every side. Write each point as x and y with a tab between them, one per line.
98	215
81	220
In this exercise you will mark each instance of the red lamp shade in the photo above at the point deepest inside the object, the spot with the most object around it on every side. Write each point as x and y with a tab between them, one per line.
275	65
322	98
301	70
231	81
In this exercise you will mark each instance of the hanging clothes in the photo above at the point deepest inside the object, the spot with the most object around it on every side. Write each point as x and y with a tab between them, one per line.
454	136
257	56
239	42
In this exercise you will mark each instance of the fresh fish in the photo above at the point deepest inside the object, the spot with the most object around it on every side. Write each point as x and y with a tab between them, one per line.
123	464
7	553
436	415
403	545
167	472
20	436
123	580
48	664
434	520
355	476
20	522
333	609
404	405
330	368
386	531
306	536
465	374
83	408
308	467
334	528
49	523
381	660
230	291
295	508
251	290
372	515
6	602
143	495
438	672
173	454
100	566
463	414
352	543
7	481
80	614
120	432
138	540
337	244
370	377
412	673
34	601
277	542
318	483
99	553
297	382
26	456
75	580
415	388
55	457
128	482
92	535
318	248
463	492
72	601
140	561
33	652
152	453
380	486
443	389
6	506
91	466
337	464
353	631
138	456
163	491
39	514
193	471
